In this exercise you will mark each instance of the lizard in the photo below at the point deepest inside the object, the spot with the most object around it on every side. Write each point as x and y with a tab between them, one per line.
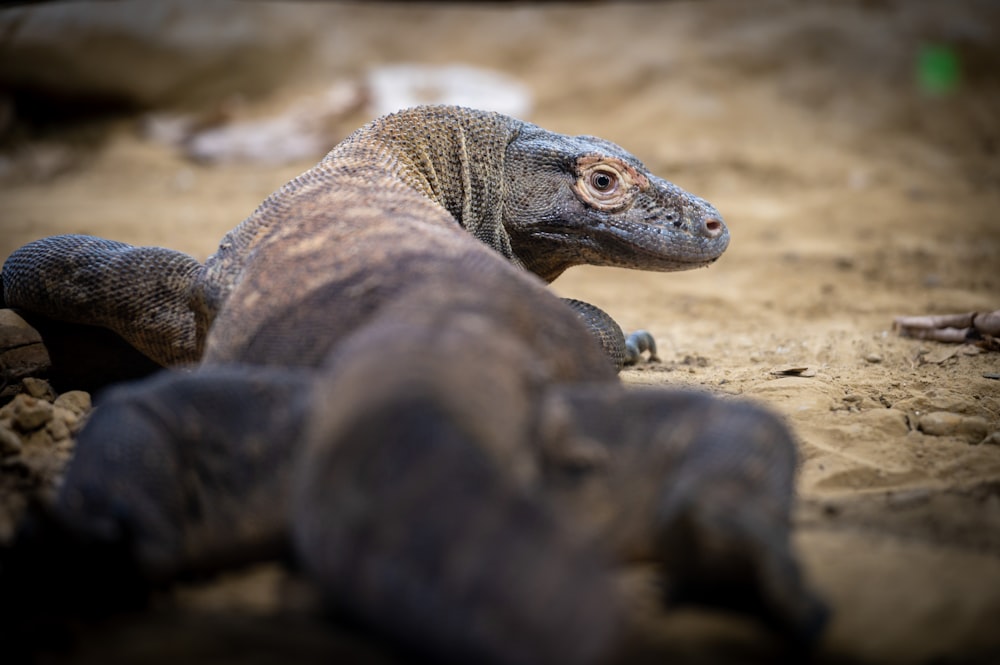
473	497
543	200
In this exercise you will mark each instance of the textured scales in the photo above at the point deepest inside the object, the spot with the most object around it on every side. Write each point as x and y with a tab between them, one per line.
440	442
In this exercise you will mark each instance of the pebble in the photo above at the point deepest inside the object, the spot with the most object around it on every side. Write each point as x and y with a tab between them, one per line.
65	415
944	423
37	411
10	443
76	401
873	358
27	413
38	388
57	428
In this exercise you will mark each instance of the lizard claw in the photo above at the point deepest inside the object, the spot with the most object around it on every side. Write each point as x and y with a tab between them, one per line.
636	344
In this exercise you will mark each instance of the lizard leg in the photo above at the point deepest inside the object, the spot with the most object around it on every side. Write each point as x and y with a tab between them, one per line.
702	486
140	293
174	475
622	350
190	469
605	330
723	521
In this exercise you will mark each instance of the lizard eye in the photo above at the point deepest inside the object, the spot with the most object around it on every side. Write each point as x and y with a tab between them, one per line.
603	181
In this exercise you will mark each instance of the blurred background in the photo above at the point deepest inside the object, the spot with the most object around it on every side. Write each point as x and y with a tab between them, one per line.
852	147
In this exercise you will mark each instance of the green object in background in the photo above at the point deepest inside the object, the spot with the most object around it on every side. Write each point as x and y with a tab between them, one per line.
937	70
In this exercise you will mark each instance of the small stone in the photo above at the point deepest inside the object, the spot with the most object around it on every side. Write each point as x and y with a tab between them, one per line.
38	388
944	423
65	415
28	413
76	401
57	429
873	358
10	442
10	318
806	372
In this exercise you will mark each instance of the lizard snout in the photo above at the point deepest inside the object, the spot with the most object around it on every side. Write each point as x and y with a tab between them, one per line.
710	227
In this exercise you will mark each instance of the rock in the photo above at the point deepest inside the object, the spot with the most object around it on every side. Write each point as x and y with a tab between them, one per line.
27	413
152	54
70	418
873	358
805	372
76	401
10	442
11	319
944	423
885	423
22	353
38	388
795	396
58	429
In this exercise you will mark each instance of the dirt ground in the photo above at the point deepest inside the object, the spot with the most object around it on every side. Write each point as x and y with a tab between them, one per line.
852	195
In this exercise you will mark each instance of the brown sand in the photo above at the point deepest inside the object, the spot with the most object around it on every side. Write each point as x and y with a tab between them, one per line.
851	197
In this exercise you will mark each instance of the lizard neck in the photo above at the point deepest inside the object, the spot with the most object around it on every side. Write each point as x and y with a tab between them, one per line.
453	156
547	258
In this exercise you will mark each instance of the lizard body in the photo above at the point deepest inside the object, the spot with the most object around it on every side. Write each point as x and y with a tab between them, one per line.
432	423
543	200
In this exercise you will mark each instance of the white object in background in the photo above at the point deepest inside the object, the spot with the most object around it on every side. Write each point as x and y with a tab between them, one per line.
394	87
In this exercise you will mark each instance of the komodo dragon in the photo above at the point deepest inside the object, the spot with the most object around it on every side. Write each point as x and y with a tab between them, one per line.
543	200
439	441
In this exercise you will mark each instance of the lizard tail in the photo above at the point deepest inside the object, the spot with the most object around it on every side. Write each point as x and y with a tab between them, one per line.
140	293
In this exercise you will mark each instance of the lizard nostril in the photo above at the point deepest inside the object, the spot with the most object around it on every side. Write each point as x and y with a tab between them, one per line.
712	227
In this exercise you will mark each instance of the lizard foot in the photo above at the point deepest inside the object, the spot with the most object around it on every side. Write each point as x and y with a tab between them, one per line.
189	469
700	486
637	343
717	555
621	349
723	525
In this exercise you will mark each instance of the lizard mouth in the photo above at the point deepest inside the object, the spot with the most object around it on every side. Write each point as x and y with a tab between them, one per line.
644	248
663	247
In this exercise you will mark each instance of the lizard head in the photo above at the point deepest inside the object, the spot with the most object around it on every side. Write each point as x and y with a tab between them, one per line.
574	200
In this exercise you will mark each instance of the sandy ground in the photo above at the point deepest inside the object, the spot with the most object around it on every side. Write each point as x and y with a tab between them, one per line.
851	195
